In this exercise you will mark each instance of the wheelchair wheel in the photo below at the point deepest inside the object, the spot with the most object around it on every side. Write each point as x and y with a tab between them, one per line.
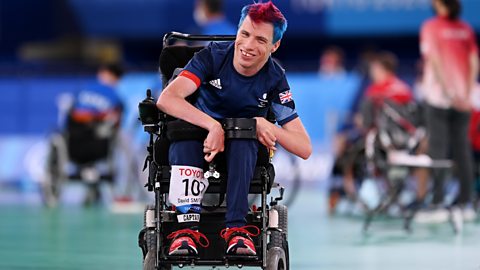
150	234
56	159
276	259
279	239
149	262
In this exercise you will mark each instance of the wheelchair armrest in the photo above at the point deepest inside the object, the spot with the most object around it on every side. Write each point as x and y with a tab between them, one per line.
235	128
240	128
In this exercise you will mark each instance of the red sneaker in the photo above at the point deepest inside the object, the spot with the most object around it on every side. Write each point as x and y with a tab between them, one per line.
185	242
239	241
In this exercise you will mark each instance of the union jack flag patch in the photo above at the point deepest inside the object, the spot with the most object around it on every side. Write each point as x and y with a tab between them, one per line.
285	97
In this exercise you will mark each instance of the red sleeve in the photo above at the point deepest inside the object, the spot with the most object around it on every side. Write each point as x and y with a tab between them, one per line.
191	76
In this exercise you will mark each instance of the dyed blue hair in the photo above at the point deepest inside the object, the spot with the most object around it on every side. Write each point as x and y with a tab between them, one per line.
266	12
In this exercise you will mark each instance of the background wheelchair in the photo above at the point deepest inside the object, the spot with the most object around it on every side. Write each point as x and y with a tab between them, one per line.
86	152
390	152
160	218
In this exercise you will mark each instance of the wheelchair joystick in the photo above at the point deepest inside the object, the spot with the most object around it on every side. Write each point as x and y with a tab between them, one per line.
149	113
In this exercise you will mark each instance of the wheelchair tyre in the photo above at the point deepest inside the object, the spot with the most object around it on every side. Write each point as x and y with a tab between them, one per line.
151	239
282	217
150	234
276	259
52	185
279	239
149	262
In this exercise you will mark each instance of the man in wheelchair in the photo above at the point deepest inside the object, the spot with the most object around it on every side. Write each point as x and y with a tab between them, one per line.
91	123
387	112
95	115
230	80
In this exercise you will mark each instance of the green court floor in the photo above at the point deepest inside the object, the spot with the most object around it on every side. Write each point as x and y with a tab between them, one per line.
32	237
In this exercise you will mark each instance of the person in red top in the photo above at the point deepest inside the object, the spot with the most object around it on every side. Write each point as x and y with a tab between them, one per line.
450	53
385	87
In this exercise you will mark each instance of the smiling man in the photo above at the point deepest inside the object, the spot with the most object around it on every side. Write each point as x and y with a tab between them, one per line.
238	80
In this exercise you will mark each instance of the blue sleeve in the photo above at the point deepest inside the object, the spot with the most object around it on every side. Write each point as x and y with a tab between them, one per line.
283	105
201	63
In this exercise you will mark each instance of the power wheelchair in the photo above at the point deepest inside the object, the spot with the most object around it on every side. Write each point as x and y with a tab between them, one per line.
93	152
386	155
85	146
160	218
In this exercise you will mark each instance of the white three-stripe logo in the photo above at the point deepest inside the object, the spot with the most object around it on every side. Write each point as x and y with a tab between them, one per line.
216	83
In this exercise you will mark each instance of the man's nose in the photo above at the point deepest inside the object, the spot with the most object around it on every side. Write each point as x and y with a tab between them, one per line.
249	44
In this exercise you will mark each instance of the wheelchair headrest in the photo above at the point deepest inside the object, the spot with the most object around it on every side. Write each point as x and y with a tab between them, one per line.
173	57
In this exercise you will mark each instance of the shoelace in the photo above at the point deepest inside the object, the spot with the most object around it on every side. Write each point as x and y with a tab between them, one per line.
197	236
227	232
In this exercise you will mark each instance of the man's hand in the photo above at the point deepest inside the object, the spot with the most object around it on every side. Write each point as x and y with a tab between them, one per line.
461	104
215	141
266	133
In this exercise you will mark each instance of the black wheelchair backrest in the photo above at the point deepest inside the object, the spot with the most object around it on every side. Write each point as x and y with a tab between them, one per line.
173	57
177	56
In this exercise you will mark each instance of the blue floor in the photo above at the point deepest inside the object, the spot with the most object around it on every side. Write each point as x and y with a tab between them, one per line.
32	237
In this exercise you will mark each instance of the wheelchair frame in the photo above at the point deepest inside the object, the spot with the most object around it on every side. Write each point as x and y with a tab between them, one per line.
159	219
396	172
56	172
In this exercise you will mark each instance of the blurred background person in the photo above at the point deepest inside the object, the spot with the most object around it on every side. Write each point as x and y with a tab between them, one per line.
331	64
100	101
450	54
211	20
385	87
92	124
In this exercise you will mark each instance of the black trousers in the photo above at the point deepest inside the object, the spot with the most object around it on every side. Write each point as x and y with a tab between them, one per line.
448	138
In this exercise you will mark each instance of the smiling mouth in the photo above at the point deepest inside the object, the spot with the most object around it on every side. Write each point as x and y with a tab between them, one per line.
244	53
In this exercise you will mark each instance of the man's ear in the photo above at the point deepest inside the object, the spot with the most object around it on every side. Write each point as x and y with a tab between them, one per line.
275	46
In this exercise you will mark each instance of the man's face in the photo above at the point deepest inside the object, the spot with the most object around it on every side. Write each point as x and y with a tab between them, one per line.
377	72
253	46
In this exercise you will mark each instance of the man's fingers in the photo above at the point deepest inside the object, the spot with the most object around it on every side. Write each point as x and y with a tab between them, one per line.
262	141
268	144
268	136
270	139
209	156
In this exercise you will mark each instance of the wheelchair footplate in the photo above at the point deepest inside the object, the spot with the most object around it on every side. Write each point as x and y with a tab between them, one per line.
228	260
235	258
214	255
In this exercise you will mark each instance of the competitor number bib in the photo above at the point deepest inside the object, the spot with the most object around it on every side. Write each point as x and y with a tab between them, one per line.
187	185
